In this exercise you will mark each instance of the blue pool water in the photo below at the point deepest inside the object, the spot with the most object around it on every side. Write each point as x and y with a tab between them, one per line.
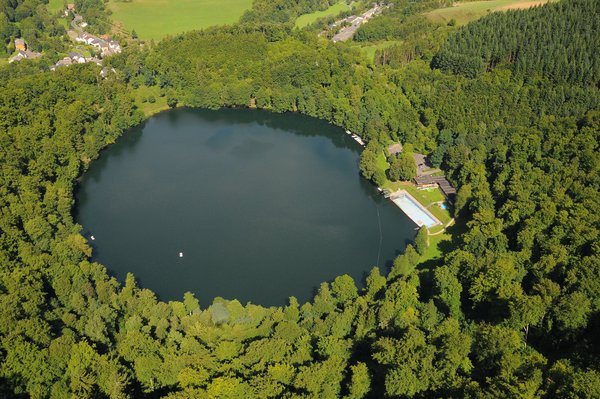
415	212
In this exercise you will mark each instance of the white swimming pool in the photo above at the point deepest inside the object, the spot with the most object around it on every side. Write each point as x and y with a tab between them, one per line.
415	211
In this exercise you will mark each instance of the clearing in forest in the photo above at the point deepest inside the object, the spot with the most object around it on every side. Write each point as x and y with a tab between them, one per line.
307	19
464	13
155	19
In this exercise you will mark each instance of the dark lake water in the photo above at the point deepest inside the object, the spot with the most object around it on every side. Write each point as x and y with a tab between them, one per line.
263	206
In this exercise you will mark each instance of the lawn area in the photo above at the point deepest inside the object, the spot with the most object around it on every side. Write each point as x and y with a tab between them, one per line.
141	96
56	5
433	250
64	23
467	12
307	19
370	49
155	19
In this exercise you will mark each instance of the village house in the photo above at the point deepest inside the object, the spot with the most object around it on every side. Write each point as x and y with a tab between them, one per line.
20	45
70	8
77	58
24	55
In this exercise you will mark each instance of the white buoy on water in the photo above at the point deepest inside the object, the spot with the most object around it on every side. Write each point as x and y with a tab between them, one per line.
93	238
181	254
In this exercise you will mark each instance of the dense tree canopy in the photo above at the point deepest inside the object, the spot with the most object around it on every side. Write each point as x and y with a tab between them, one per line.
511	311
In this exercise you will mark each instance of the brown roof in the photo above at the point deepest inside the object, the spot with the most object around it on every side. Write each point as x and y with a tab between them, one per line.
441	181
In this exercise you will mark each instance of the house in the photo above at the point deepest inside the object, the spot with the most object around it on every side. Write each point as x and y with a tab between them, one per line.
70	8
23	55
20	45
95	60
421	162
77	58
18	57
66	61
395	149
440	181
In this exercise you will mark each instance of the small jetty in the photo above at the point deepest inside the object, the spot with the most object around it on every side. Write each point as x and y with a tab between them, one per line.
355	137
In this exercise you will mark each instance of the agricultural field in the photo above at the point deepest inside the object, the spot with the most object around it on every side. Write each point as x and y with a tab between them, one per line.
464	13
155	19
307	19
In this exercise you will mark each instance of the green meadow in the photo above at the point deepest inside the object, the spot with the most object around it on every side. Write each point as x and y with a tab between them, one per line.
464	13
56	5
155	19
307	19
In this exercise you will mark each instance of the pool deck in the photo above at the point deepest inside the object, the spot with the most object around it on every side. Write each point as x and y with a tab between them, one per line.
414	218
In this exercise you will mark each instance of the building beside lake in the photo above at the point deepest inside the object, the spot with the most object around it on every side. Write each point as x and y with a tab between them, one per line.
439	181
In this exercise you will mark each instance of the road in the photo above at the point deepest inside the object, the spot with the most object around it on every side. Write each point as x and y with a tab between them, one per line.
347	32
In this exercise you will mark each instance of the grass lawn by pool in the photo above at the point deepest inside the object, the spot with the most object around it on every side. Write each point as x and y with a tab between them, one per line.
470	11
307	19
155	19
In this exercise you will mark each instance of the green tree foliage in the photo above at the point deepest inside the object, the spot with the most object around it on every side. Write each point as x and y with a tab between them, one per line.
403	166
30	20
558	41
422	240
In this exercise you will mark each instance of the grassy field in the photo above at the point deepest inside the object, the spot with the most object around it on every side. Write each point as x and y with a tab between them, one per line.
56	5
433	250
155	19
463	13
141	95
370	48
307	19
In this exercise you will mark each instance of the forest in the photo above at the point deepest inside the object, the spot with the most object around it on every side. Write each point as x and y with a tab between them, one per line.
30	20
512	309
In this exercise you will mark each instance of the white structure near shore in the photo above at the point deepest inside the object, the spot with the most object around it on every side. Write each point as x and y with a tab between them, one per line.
414	210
